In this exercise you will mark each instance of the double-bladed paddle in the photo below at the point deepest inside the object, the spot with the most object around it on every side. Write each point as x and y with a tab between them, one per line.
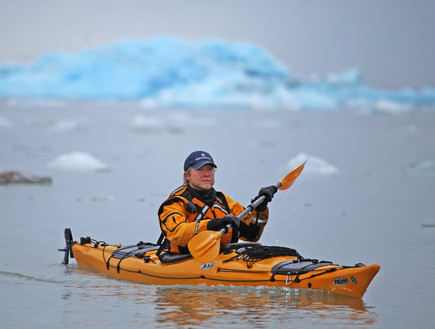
205	246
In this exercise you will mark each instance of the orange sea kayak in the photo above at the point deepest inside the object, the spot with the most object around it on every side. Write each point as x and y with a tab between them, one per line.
240	264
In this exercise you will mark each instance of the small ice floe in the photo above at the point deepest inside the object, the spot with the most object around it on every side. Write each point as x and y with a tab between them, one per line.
382	106
78	161
422	168
5	123
390	107
146	123
64	126
185	119
15	177
315	165
170	121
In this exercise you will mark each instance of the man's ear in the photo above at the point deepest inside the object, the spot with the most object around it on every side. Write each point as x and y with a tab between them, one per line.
186	175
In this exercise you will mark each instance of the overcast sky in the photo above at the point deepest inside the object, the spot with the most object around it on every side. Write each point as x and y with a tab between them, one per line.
391	41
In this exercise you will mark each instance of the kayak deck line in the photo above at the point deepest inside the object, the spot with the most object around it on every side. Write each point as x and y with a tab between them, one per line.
239	264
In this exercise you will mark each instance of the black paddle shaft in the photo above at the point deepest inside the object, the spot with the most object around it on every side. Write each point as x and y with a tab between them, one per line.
251	207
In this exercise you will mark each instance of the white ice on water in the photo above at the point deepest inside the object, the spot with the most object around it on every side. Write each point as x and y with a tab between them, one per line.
78	161
426	168
146	122
65	126
315	164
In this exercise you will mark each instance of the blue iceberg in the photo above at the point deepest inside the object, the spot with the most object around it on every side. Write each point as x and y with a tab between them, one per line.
174	73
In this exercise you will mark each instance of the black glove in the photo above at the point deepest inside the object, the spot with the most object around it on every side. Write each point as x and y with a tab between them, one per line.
268	193
220	223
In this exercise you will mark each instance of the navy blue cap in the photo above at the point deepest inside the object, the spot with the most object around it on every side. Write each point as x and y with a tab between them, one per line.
197	159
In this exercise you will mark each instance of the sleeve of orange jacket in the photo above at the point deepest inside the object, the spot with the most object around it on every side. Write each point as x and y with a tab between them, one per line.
176	226
255	221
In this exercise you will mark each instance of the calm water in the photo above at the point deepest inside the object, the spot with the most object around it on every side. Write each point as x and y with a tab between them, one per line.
379	208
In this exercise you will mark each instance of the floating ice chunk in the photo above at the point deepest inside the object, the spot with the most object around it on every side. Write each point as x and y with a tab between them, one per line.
78	161
390	107
426	168
209	74
188	119
5	123
144	123
315	165
159	70
65	126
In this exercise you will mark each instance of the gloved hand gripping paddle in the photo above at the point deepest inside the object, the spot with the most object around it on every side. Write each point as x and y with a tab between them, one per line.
205	246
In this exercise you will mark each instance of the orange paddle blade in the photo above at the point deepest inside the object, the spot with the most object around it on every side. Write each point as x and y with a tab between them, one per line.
288	180
205	246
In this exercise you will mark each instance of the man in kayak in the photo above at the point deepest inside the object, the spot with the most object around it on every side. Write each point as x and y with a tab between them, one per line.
196	206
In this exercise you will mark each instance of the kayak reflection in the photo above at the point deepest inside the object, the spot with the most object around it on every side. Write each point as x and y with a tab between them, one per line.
188	306
209	306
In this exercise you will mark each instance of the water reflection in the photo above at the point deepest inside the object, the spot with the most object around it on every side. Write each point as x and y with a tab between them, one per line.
256	307
219	306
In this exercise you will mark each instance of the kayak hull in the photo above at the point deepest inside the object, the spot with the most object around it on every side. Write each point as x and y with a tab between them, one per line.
228	268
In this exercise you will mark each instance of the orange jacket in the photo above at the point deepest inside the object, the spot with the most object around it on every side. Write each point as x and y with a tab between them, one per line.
182	216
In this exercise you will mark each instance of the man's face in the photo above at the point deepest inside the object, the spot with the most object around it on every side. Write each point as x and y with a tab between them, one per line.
201	178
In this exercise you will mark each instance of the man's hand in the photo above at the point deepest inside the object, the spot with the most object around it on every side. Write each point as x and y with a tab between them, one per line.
220	223
268	193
